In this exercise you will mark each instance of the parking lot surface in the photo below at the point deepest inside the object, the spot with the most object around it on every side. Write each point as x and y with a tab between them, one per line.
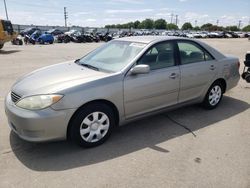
214	150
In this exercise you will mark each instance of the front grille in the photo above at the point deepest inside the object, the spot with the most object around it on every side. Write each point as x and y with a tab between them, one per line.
15	97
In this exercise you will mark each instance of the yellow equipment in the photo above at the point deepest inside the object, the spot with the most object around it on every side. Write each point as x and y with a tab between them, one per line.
6	32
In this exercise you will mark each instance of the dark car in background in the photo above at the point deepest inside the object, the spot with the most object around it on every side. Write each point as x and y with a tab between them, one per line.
29	31
55	32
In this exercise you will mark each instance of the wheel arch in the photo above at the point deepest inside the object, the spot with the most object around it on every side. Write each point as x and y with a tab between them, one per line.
223	82
103	101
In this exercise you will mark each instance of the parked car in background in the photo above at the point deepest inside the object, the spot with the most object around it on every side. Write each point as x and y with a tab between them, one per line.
29	31
54	32
18	40
41	38
123	80
68	36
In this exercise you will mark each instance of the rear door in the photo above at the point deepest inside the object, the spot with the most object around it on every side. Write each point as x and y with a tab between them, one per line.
198	69
157	89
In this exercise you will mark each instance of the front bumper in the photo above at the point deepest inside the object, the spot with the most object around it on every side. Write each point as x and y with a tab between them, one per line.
40	125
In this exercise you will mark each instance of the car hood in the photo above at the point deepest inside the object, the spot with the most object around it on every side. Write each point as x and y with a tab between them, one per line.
55	78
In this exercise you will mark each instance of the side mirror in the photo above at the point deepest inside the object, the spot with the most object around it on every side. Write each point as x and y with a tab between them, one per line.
140	69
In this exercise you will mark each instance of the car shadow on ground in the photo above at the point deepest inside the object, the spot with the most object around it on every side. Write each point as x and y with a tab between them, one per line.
146	133
4	52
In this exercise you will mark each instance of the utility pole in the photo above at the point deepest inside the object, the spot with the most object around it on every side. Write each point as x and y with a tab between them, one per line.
6	12
172	15
195	23
217	22
65	16
239	25
176	19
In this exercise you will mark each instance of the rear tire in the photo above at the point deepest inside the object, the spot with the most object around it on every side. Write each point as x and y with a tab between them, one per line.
92	125
1	46
244	74
213	96
247	78
20	42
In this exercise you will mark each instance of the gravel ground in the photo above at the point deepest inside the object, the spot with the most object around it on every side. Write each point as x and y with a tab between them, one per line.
153	152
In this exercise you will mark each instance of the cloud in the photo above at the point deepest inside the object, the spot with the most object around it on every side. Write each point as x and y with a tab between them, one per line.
128	11
52	14
76	14
90	20
126	1
163	14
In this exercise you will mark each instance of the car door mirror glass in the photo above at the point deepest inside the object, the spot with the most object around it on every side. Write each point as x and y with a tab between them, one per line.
140	69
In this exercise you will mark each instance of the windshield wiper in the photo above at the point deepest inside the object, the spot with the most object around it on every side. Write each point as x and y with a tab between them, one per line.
77	61
89	66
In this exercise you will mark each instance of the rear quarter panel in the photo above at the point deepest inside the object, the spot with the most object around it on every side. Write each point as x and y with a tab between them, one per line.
229	71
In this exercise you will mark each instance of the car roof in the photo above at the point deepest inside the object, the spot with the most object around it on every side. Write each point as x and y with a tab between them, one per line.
154	39
147	39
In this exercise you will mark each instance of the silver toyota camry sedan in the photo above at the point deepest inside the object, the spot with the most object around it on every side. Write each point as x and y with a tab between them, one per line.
121	81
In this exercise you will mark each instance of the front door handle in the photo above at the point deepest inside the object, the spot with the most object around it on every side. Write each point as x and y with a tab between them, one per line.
173	76
212	67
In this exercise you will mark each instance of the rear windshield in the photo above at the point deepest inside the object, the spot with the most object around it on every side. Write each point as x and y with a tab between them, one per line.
7	26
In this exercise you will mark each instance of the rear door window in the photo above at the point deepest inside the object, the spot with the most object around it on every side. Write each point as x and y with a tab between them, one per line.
192	53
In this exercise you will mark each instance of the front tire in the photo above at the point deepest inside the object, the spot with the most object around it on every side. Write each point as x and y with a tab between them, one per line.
92	125
41	41
1	46
213	96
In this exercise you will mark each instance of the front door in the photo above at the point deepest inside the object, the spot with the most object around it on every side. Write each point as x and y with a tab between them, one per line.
157	89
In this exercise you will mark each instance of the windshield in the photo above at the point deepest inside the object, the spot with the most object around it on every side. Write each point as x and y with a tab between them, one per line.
113	56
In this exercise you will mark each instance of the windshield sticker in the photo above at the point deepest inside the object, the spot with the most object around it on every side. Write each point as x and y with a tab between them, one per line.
138	45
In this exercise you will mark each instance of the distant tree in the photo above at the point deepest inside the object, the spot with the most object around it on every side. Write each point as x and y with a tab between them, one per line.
160	24
119	26
172	26
147	24
197	28
136	24
187	26
130	25
247	28
232	28
207	27
141	25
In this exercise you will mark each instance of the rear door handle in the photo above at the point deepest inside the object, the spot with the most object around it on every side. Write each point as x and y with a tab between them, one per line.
173	76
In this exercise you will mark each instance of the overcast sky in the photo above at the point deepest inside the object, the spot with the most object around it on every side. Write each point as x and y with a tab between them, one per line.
103	12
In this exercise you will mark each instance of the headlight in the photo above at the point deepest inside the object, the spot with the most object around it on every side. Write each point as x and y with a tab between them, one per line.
38	102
